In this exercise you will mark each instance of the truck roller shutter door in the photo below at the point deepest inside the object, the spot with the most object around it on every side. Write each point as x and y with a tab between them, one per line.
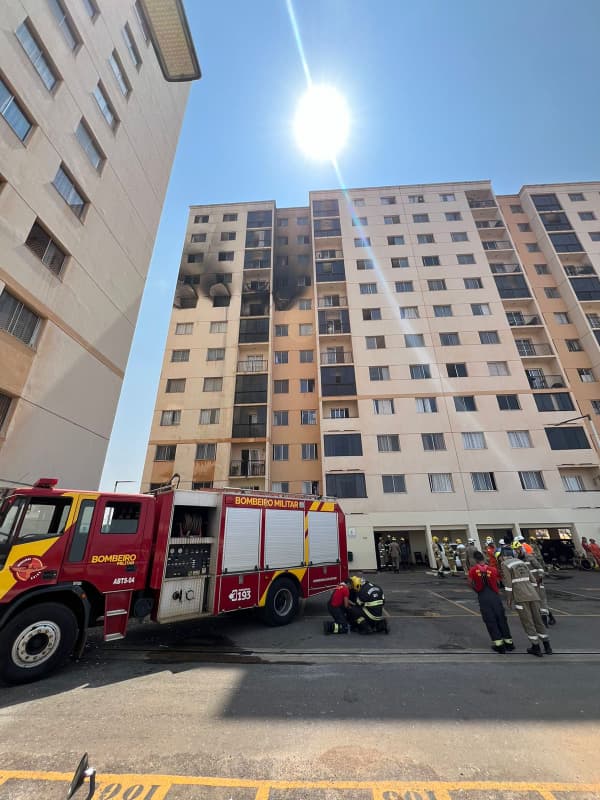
322	537
284	539
242	536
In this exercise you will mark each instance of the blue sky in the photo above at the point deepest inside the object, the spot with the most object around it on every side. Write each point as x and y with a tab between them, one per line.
437	91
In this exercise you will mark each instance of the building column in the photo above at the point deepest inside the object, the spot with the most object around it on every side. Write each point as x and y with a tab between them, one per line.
429	542
516	529
473	533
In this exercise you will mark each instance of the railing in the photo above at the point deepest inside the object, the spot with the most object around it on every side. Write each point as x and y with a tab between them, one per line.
246	311
586	296
246	469
259	287
256	430
573	271
258	398
489	223
557	226
328	232
257	263
516	322
501	244
334	327
513	294
337	358
505	269
546	382
332	302
327	255
482	203
528	350
252	366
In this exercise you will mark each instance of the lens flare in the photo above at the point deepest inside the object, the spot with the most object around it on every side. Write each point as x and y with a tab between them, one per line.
321	122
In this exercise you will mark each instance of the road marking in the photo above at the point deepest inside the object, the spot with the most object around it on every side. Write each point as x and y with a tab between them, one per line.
157	787
560	611
454	603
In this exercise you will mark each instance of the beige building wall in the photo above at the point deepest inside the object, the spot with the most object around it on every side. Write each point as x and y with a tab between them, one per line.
59	387
432	416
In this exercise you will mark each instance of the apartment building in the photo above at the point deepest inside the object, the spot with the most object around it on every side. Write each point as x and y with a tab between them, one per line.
394	347
92	98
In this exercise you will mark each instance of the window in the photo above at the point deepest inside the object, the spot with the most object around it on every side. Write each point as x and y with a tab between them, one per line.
281	386
309	452
448	197
364	263
165	452
571	438
392	220
393	484
281	357
217	327
65	24
358	202
17	319
533	247
370	314
307	356
303	239
308	417
228	217
280	418
594	320
524	227
346	444
542	269
368	288
483	482
404	286
419	371
401	262
281	330
184	328
416	198
350	484
576	197
225	255
409	312
456	370
302	221
215	354
489	337
43	518
282	240
206	452
197	485
516	209
307	385
281	452
496	368
197	237
45	248
414	340
425	238
473	283
359	221
546	202
465	258
433	441
175	385
303	261
573	483
573	345
393	240
519	439
195	258
106	107
440	482
362	241
180	355
212	385
508	402
551	292
5	402
595	236
426	405
464	402
120	75
304	304
561	318
586	375
209	416
480	309
383	406
339	413
430	261
420	217
436	285
555	401
91	8
13	113
227	236
90	146
387	201
40	60
453	216
70	193
474	440
595	406
379	373
449	339
531	480
170	418
442	311
388	443
305	329
201	218
282	222
566	242
459	236
587	216
281	487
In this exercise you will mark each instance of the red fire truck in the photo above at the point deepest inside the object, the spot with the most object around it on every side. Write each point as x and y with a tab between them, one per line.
70	560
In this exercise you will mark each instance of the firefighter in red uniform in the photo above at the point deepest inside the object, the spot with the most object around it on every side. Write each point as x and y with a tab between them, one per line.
484	580
338	605
490	551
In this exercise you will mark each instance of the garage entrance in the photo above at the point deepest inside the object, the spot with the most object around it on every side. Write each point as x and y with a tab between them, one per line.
417	548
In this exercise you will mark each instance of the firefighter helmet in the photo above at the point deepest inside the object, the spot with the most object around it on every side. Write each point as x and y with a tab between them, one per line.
516	545
356	582
489	540
459	541
446	539
436	539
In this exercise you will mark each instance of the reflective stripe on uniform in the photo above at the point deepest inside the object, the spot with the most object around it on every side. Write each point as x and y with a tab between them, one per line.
520	580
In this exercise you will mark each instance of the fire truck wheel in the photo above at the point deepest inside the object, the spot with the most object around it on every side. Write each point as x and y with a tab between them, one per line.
282	602
36	642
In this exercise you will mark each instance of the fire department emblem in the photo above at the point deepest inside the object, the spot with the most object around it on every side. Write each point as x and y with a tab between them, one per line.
28	568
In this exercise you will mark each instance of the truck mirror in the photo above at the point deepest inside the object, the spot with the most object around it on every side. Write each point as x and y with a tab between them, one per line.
82	772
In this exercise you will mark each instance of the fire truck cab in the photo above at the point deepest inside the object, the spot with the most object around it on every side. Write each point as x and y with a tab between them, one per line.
70	560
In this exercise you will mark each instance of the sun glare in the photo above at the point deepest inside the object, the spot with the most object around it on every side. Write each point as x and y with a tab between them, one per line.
321	122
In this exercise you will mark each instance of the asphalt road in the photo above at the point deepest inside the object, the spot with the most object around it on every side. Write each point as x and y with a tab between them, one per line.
427	710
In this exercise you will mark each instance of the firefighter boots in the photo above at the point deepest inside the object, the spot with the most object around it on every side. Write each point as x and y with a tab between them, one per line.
508	645
499	647
551	618
535	650
547	648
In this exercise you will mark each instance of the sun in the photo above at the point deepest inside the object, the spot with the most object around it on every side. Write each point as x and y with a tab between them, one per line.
321	122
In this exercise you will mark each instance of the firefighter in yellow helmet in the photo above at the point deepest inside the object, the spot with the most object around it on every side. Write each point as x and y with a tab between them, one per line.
450	556
366	609
440	556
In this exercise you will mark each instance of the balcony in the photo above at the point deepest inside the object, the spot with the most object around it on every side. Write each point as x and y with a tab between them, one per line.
517	320
249	430
246	469
499	244
257	259
334	326
332	301
489	223
546	381
256	287
489	203
254	310
530	350
575	270
505	269
325	255
252	365
337	357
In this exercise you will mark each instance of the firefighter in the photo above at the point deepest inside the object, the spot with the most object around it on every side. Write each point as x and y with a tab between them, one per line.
484	580
459	556
490	551
450	557
538	573
537	550
470	551
395	554
366	611
440	557
338	606
595	551
521	592
404	553
525	545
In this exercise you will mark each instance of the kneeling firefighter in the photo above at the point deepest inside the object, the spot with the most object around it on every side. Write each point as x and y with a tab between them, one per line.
366	609
338	606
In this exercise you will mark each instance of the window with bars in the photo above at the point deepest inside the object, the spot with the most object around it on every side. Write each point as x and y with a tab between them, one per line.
388	443
399	263
212	385
36	54
409	312
206	451
69	191
170	417
184	328
165	452
404	286
17	319
45	248
308	416
414	340
393	484
209	416
440	482
433	441
473	440
483	482
489	337
532	480
426	405
379	373
449	339
281	452
519	439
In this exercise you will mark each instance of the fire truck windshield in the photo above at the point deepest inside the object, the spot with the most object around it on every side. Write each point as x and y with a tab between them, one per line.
9	514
